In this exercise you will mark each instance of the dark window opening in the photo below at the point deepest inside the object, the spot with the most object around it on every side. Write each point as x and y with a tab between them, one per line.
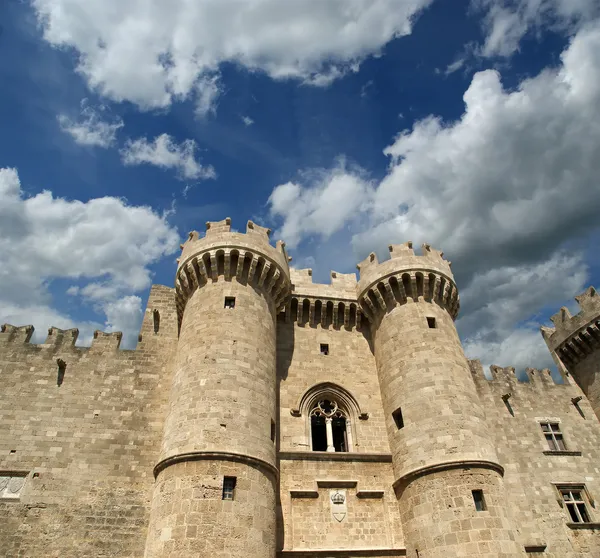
397	414
62	367
272	430
575	503
324	349
479	500
553	436
340	440
229	488
319	433
156	320
230	302
431	322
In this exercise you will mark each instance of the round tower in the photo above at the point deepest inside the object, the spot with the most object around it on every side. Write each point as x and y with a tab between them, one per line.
216	479
574	342
449	483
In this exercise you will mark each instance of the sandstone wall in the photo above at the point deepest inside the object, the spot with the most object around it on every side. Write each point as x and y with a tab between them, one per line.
530	469
88	446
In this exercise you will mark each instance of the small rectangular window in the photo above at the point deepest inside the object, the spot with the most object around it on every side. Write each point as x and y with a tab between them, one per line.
324	349
229	302
397	414
553	436
431	322
229	488
272	430
575	502
479	500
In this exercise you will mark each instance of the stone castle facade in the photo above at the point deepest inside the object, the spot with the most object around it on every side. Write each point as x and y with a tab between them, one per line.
263	415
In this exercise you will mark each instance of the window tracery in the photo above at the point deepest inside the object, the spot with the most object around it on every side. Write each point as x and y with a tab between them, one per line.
329	427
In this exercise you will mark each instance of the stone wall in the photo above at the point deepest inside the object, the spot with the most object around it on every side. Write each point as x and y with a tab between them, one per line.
531	469
88	445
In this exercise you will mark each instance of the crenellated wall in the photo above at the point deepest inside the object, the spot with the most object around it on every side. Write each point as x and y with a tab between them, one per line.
513	412
87	441
574	342
122	453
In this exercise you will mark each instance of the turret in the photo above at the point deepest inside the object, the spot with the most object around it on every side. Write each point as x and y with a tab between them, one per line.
216	477
574	342
445	464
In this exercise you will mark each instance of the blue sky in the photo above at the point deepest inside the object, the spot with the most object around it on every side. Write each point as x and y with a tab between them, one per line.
344	125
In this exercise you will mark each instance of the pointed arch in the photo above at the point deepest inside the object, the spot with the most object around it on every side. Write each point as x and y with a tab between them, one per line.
345	402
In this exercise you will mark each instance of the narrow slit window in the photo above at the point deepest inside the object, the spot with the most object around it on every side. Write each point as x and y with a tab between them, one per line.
229	488
479	500
62	368
398	419
230	302
553	436
272	430
324	349
431	323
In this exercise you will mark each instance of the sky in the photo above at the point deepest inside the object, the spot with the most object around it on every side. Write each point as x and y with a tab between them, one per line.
343	125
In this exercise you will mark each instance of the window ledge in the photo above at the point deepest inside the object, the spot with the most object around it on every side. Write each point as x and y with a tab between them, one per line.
584	525
562	452
334	456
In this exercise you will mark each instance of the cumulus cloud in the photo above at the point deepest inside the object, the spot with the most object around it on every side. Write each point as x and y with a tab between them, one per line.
104	244
152	53
506	22
165	153
247	120
500	190
334	197
90	129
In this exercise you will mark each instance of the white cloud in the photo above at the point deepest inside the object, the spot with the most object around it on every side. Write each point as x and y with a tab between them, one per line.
103	243
165	153
334	197
208	90
500	190
247	120
90	129
153	53
506	22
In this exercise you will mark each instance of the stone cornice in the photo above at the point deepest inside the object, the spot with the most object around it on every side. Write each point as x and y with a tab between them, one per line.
445	466
216	456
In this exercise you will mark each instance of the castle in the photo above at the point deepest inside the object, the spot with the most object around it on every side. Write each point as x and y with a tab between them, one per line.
262	415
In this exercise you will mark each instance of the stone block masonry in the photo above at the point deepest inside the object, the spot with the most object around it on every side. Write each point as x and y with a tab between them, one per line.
267	416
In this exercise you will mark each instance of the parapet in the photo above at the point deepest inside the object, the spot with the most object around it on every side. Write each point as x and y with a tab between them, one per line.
405	276
506	377
574	337
221	253
333	304
16	334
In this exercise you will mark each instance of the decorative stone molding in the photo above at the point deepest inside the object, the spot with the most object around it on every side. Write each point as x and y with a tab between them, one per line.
335	456
222	255
573	338
215	455
406	277
334	312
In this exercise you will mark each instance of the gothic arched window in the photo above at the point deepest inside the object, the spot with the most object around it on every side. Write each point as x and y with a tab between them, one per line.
329	427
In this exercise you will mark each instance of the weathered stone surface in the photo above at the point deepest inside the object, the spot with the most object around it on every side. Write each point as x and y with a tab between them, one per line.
126	454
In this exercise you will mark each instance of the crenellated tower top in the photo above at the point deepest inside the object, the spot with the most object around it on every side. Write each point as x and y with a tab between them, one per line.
574	337
405	276
221	253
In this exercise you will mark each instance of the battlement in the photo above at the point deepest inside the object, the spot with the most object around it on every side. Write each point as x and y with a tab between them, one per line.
574	337
60	338
506	377
334	304
220	253
406	276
